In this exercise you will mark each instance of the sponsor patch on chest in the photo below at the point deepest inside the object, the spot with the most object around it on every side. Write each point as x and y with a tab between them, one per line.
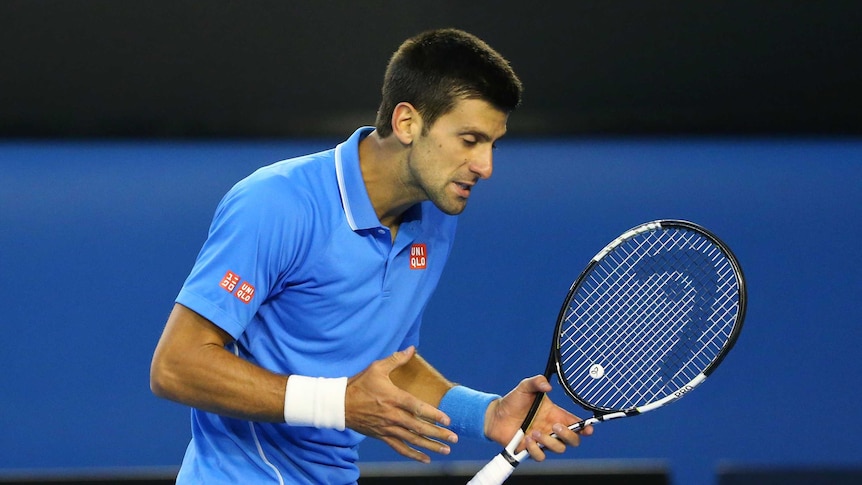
418	256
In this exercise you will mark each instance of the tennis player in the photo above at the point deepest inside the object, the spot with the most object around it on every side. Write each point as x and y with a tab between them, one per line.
295	334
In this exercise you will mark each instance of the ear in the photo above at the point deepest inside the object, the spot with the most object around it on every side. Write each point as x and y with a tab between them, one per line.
406	123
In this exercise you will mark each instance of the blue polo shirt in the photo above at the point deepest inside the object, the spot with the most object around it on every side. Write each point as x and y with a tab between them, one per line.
299	270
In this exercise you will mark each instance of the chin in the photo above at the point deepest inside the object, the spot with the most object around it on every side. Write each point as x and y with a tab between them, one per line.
452	210
448	204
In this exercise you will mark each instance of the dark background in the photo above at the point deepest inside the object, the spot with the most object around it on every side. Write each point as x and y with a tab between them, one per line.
123	123
266	68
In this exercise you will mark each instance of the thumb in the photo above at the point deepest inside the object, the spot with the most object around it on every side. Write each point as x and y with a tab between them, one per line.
535	384
400	358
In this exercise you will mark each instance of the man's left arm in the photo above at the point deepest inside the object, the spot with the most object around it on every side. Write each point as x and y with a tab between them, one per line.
498	419
421	379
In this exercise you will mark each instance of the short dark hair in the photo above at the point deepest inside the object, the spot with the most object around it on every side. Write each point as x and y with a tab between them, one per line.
434	69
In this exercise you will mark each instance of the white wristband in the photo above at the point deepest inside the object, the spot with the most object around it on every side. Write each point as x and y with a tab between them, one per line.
315	401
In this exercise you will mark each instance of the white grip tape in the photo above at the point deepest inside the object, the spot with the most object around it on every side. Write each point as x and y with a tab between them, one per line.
494	473
500	468
315	401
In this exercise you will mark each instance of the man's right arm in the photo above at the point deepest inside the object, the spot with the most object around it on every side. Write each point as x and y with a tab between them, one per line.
191	366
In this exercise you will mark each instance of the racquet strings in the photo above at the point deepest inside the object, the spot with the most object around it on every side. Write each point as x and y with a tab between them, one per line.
647	318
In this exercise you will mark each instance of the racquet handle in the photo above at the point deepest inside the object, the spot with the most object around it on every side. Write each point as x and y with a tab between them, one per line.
501	467
498	470
494	473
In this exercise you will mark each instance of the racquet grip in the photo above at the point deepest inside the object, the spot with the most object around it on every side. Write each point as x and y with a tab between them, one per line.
574	427
494	473
501	467
498	470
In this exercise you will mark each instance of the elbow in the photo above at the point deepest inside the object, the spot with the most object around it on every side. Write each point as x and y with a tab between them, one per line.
157	380
162	379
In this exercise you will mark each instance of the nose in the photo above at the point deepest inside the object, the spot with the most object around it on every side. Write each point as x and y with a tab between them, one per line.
483	165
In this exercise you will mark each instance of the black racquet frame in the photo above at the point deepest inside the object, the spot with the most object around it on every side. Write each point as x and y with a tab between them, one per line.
502	466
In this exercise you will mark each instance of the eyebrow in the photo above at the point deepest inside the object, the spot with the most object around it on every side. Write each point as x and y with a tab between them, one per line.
477	133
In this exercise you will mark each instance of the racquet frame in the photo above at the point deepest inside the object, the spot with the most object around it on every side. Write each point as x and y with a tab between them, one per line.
504	463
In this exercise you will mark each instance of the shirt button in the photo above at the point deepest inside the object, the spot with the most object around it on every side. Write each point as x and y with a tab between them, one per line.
381	231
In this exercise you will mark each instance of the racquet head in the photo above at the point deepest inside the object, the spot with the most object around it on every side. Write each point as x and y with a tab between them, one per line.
651	316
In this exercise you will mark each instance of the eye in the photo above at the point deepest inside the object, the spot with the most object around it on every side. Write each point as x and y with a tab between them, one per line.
470	140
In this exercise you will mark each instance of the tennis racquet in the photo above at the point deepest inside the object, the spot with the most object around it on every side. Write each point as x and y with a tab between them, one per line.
648	320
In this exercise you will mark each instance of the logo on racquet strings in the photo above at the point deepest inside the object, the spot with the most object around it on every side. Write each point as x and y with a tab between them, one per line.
597	371
686	293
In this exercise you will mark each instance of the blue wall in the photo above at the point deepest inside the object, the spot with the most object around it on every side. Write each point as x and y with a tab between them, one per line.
96	239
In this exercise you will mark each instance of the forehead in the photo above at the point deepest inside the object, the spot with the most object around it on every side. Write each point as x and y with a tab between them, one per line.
474	115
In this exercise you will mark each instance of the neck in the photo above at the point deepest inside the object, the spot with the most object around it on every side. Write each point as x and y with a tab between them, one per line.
381	162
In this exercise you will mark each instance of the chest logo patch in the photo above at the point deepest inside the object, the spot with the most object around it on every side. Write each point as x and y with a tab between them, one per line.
418	256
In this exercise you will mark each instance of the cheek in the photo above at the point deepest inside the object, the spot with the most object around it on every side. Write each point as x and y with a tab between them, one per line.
450	155
439	156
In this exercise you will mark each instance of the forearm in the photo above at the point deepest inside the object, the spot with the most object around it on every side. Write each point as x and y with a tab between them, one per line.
219	382
191	366
468	409
422	380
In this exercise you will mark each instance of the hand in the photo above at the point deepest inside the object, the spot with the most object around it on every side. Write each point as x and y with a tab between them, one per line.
376	407
504	418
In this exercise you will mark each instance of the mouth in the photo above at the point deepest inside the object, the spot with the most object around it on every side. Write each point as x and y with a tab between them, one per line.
463	188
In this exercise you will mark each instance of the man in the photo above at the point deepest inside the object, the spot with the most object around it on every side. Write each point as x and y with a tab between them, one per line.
294	336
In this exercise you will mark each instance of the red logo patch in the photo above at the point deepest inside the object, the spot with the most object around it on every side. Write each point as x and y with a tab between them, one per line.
245	292
229	281
418	256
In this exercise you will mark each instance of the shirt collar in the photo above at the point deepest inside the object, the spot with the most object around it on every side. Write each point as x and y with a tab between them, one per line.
354	196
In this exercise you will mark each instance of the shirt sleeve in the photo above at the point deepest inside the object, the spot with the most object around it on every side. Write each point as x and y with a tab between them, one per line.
247	252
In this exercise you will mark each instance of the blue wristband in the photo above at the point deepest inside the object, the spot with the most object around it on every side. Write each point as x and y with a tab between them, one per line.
466	408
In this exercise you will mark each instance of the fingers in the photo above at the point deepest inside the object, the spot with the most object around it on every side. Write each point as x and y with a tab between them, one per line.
404	448
406	451
538	444
375	407
532	446
409	443
549	432
406	401
425	411
425	423
411	404
407	433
